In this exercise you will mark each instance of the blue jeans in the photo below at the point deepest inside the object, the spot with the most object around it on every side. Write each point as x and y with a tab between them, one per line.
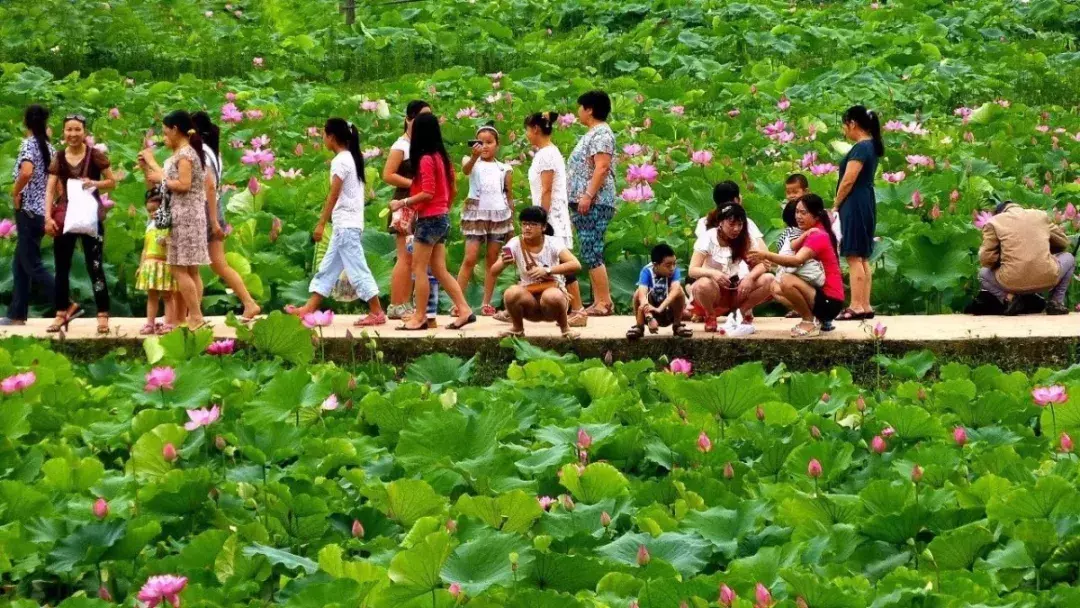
346	252
26	266
432	230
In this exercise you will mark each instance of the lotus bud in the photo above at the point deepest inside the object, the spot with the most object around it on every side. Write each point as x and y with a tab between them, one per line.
813	469
583	439
703	443
1066	443
451	526
605	519
959	435
352	383
454	589
103	594
729	471
727	596
357	529
860	404
917	474
608	358
801	603
764	598
760	413
633	603
169	453
643	557
101	508
567	502
921	394
878	444
219	442
815	432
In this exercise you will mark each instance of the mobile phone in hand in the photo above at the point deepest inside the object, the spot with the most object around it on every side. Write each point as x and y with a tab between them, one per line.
472	143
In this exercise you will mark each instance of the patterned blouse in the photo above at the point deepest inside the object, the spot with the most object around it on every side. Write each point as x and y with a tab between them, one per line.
599	140
33	196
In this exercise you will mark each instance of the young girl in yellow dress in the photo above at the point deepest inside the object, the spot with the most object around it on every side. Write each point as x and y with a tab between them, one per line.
154	276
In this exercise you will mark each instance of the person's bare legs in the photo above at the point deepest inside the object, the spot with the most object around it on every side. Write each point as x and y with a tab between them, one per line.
798	296
859	283
401	277
759	294
706	293
421	258
494	251
189	291
313	302
520	304
472	255
437	260
574	289
152	297
553	303
220	265
601	288
868	272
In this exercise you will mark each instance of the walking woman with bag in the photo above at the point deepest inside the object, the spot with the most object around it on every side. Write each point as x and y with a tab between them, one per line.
28	197
77	163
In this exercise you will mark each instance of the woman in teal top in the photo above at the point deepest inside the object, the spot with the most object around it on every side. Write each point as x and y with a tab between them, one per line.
857	206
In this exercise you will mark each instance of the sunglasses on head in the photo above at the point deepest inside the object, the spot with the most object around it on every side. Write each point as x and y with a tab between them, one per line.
78	117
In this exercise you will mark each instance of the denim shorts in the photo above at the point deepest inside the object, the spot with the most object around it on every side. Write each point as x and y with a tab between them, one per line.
432	230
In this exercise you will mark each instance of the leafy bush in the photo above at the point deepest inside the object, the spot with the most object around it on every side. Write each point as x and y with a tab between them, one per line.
568	483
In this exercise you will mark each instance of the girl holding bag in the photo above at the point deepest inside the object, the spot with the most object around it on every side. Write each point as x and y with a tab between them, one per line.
91	166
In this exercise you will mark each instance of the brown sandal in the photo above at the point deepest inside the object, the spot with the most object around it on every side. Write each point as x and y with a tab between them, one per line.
596	311
103	330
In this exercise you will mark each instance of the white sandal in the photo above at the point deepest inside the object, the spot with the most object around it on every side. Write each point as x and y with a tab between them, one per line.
799	332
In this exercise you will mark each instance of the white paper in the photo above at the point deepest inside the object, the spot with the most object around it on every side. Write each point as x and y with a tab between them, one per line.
82	210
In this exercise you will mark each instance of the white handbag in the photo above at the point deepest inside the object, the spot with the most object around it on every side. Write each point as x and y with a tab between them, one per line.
82	210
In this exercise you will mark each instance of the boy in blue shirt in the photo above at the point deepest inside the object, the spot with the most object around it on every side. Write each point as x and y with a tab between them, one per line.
659	300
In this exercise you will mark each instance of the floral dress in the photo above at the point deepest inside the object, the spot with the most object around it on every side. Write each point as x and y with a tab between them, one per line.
592	226
154	273
188	243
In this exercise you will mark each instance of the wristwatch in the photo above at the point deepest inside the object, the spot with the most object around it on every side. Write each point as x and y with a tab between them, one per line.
547	270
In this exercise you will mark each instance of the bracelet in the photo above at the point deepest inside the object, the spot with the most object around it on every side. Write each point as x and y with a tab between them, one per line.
590	195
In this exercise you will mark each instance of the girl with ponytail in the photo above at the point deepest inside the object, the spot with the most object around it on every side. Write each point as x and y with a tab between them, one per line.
857	206
215	215
547	185
345	208
28	196
817	306
185	181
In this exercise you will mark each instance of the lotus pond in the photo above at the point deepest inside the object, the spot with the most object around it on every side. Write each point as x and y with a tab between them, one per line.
263	476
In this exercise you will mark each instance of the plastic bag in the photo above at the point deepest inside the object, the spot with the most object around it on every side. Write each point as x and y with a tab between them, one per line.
82	210
734	326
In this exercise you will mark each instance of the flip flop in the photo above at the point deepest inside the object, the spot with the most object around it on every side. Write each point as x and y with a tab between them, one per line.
423	327
457	326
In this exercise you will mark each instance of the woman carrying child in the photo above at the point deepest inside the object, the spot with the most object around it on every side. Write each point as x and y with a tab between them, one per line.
542	263
816	305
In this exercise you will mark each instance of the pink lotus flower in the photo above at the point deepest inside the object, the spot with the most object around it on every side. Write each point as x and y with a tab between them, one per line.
584	441
954	196
160	378
1066	443
202	417
633	149
7	228
260	142
319	318
230	113
878	444
545	502
764	598
783	104
454	589
257	157
567	120
784	137
369	106
168	452
637	194
823	169
106	202
916	474
813	469
678	110
727	596
643	557
299	150
733	113
919	160
935	212
357	529
330	403
230	96
704	444
701	157
496	76
1047	395
1070	212
959	436
1046	190
729	471
207	14
916	200
163	588
101	508
493	98
774	128
236	144
894	178
982	218
114	113
963	112
1043	128
808	159
371	153
313	132
642	173
469	112
254	186
880	330
268	172
257	62
681	366
253	114
291	173
888	431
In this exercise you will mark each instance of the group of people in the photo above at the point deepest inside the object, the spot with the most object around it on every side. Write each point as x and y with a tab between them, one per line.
185	228
730	272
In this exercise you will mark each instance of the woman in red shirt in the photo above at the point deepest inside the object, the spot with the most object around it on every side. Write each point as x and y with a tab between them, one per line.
817	306
431	194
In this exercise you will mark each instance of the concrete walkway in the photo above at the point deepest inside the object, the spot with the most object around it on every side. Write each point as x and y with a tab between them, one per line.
907	329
